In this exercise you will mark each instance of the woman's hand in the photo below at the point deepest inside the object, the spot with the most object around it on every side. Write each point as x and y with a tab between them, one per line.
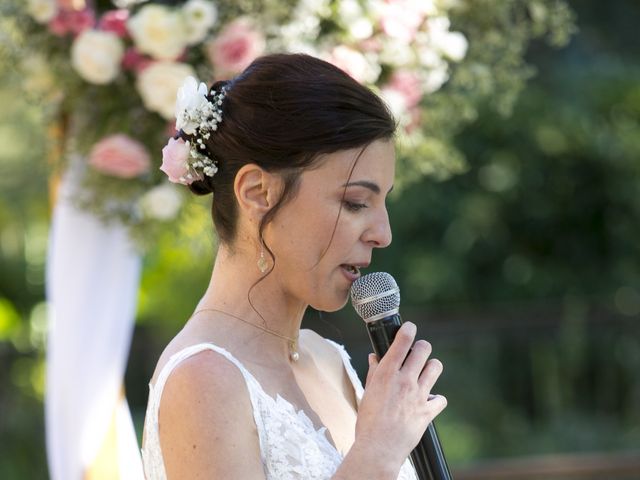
397	405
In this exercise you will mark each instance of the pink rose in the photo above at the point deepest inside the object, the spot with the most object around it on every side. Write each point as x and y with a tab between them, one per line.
81	20
371	44
72	21
58	25
66	4
120	156
134	60
175	155
235	47
115	21
408	84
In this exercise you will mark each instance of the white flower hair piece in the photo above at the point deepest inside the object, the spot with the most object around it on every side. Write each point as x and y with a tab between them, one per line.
198	116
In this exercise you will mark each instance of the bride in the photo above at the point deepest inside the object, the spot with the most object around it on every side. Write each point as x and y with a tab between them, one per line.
299	158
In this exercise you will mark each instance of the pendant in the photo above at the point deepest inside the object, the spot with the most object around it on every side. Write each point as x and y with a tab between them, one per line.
293	351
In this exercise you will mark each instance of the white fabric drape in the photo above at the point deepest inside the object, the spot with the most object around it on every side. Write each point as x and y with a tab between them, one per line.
93	273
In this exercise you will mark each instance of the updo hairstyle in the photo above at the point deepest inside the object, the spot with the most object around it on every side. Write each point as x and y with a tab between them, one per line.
282	113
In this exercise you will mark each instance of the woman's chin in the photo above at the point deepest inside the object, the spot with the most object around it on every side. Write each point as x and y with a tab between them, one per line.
333	305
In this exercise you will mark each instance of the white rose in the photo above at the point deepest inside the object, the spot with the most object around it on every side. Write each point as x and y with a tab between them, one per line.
159	83
190	98
362	68
422	7
42	10
428	55
432	79
158	31
162	202
38	78
361	28
200	16
452	44
397	53
349	10
96	56
396	102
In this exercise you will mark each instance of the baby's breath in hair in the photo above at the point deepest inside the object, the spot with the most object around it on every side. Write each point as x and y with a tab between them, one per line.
197	116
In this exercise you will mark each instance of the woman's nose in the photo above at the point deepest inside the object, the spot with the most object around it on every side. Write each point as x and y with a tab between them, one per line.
379	233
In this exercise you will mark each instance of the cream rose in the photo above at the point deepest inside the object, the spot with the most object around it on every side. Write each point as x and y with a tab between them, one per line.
162	202
200	16
42	10
158	85
159	31
96	56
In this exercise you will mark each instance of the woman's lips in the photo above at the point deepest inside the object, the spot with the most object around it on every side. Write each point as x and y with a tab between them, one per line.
352	272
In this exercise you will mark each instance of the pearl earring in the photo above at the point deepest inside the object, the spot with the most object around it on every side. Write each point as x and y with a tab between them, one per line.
263	266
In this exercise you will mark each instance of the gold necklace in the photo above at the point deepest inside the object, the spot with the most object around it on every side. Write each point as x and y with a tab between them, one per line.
292	342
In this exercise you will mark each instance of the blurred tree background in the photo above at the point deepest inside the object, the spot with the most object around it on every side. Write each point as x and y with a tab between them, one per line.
521	271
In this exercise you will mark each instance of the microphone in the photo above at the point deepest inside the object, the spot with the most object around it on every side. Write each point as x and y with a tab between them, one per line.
376	299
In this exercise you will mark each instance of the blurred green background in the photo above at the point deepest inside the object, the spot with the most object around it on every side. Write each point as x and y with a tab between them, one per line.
523	272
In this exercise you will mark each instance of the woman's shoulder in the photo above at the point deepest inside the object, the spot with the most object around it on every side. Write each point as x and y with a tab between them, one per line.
200	372
202	393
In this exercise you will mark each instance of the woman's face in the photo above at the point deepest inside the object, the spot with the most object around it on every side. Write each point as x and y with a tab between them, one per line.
327	232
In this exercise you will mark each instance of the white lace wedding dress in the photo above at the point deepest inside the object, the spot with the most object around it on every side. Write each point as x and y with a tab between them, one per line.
290	446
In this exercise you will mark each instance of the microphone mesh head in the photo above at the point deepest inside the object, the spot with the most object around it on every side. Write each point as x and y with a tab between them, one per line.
375	295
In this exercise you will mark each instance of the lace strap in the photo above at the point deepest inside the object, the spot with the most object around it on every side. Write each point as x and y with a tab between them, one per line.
353	376
252	384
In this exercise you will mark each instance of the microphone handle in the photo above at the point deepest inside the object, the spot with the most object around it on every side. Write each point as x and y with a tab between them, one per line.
427	458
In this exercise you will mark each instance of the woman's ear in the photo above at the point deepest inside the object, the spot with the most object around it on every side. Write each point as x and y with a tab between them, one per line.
256	190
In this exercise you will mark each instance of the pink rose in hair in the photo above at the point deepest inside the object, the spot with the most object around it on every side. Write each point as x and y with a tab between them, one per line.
235	47
175	155
120	156
115	21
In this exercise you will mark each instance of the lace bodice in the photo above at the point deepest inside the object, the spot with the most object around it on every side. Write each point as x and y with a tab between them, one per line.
290	446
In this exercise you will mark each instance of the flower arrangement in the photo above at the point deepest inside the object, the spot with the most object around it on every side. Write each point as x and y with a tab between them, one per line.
108	73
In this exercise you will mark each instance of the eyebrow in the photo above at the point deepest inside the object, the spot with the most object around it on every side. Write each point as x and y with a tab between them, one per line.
367	184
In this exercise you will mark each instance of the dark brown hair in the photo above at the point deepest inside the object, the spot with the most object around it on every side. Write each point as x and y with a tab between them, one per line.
282	113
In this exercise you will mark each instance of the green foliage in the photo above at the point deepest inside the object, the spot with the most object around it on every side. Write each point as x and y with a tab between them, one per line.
532	256
549	207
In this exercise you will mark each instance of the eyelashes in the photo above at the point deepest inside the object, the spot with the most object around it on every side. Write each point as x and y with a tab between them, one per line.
354	206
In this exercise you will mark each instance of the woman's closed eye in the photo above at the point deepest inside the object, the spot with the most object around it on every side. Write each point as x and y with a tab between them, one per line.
354	206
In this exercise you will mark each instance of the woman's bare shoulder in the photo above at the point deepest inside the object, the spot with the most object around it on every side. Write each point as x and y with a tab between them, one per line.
205	420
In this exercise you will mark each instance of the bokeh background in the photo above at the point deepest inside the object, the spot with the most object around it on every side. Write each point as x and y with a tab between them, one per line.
522	271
